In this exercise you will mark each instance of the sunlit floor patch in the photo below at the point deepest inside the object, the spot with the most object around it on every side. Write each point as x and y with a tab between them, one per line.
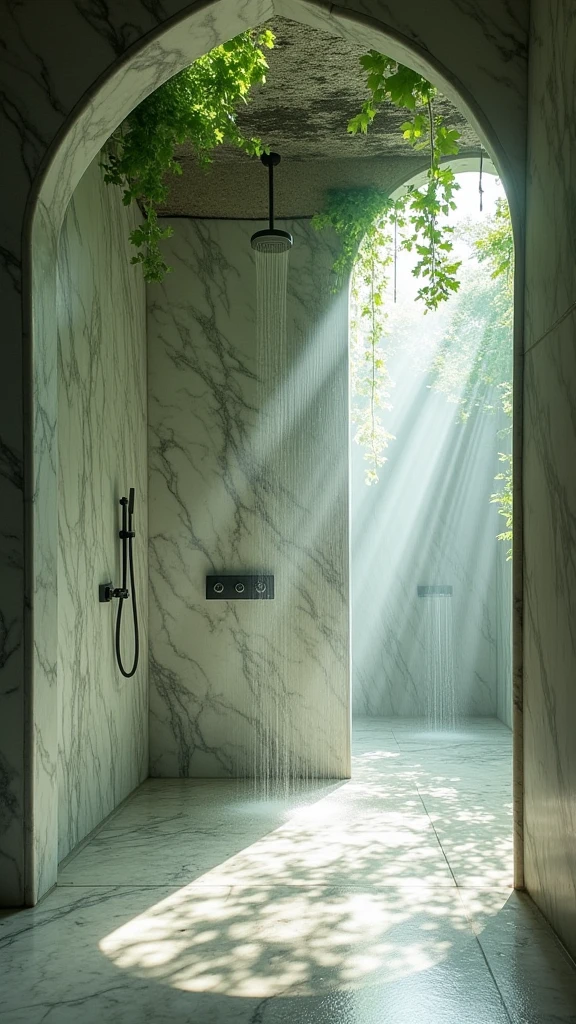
382	900
355	885
261	942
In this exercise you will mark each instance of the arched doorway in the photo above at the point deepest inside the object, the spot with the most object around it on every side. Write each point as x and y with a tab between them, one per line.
430	565
128	83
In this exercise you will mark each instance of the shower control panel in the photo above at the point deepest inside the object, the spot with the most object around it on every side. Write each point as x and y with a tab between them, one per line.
256	587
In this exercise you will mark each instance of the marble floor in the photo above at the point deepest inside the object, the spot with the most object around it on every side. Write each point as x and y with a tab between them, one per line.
383	900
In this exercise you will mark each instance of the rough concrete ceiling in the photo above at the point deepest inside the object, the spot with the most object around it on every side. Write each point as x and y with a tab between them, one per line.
315	84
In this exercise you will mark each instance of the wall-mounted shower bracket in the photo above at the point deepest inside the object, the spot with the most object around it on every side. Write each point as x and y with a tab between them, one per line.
106	592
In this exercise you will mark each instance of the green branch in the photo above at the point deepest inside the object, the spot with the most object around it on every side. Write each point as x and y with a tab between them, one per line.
198	106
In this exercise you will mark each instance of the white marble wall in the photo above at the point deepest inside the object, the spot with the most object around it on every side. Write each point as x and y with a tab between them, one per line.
504	656
103	718
428	521
549	472
225	674
69	73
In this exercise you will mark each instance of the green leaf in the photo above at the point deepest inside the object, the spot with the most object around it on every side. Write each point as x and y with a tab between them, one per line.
198	106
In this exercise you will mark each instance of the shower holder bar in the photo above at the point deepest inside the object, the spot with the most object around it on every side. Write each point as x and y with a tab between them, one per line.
251	587
431	591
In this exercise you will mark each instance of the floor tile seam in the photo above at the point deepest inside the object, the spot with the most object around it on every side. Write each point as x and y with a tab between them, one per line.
449	866
351	827
471	921
507	1010
367	886
394	737
221	831
356	887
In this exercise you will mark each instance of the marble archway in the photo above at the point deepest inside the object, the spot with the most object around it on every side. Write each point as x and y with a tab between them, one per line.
123	83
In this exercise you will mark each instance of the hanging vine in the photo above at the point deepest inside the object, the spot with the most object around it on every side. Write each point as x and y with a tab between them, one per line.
198	106
365	221
362	219
426	208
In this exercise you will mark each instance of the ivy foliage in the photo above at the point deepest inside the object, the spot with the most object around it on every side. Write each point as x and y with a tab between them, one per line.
370	226
198	106
358	216
423	208
364	219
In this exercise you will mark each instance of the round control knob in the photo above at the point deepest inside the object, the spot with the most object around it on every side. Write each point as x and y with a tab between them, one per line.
260	587
239	588
218	588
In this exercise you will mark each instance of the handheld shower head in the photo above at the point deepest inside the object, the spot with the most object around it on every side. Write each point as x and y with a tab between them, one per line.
131	501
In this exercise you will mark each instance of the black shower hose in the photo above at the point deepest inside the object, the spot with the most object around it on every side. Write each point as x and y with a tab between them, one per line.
127	536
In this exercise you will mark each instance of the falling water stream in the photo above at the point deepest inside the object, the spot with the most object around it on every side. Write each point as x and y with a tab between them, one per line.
298	711
273	766
439	654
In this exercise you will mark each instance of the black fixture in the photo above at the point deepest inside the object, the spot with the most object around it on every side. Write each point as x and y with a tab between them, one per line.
253	587
271	240
438	588
107	592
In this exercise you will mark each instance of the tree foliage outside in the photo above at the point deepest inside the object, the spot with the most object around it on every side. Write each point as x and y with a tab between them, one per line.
496	248
473	365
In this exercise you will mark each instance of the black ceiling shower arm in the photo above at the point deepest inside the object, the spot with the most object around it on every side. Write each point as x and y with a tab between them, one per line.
270	160
271	196
271	240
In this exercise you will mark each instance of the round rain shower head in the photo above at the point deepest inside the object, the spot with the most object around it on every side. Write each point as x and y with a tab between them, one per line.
272	240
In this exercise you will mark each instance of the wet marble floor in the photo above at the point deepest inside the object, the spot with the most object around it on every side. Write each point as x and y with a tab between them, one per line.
383	900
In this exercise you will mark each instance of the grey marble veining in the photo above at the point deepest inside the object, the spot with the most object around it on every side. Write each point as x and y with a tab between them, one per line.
549	481
228	677
332	908
70	72
423	808
551	211
504	663
550	633
246	955
102	717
